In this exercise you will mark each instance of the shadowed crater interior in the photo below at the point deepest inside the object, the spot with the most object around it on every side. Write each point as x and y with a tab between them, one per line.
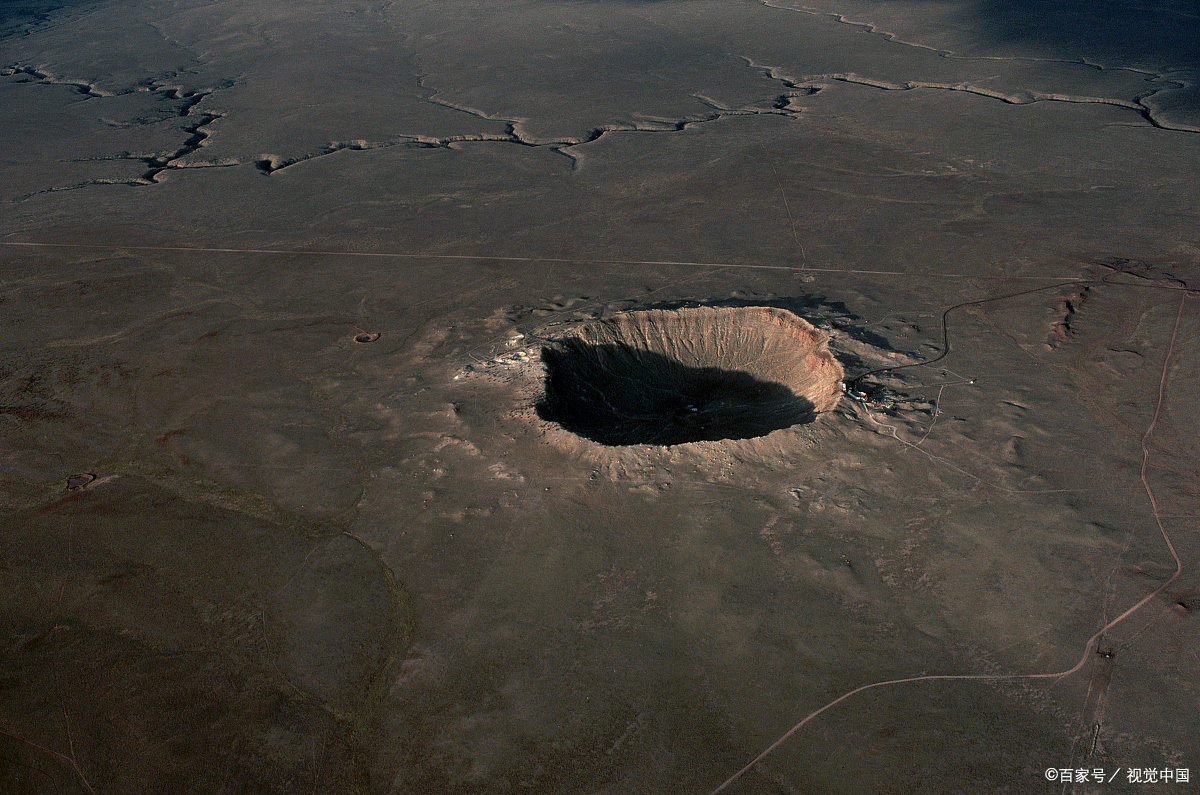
686	375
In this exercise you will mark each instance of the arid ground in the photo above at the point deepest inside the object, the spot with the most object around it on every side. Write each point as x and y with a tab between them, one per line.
281	514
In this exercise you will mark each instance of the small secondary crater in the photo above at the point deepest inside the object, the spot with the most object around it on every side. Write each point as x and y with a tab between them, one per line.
668	377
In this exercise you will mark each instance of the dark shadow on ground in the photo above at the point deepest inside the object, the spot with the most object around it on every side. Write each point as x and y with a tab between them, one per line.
18	16
619	395
1161	35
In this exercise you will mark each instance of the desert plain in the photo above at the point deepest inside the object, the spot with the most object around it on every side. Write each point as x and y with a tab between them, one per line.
280	513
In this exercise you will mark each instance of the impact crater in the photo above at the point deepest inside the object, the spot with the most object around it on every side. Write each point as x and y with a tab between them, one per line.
669	377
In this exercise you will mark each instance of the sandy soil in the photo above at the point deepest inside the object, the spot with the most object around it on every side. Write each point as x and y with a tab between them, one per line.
280	514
